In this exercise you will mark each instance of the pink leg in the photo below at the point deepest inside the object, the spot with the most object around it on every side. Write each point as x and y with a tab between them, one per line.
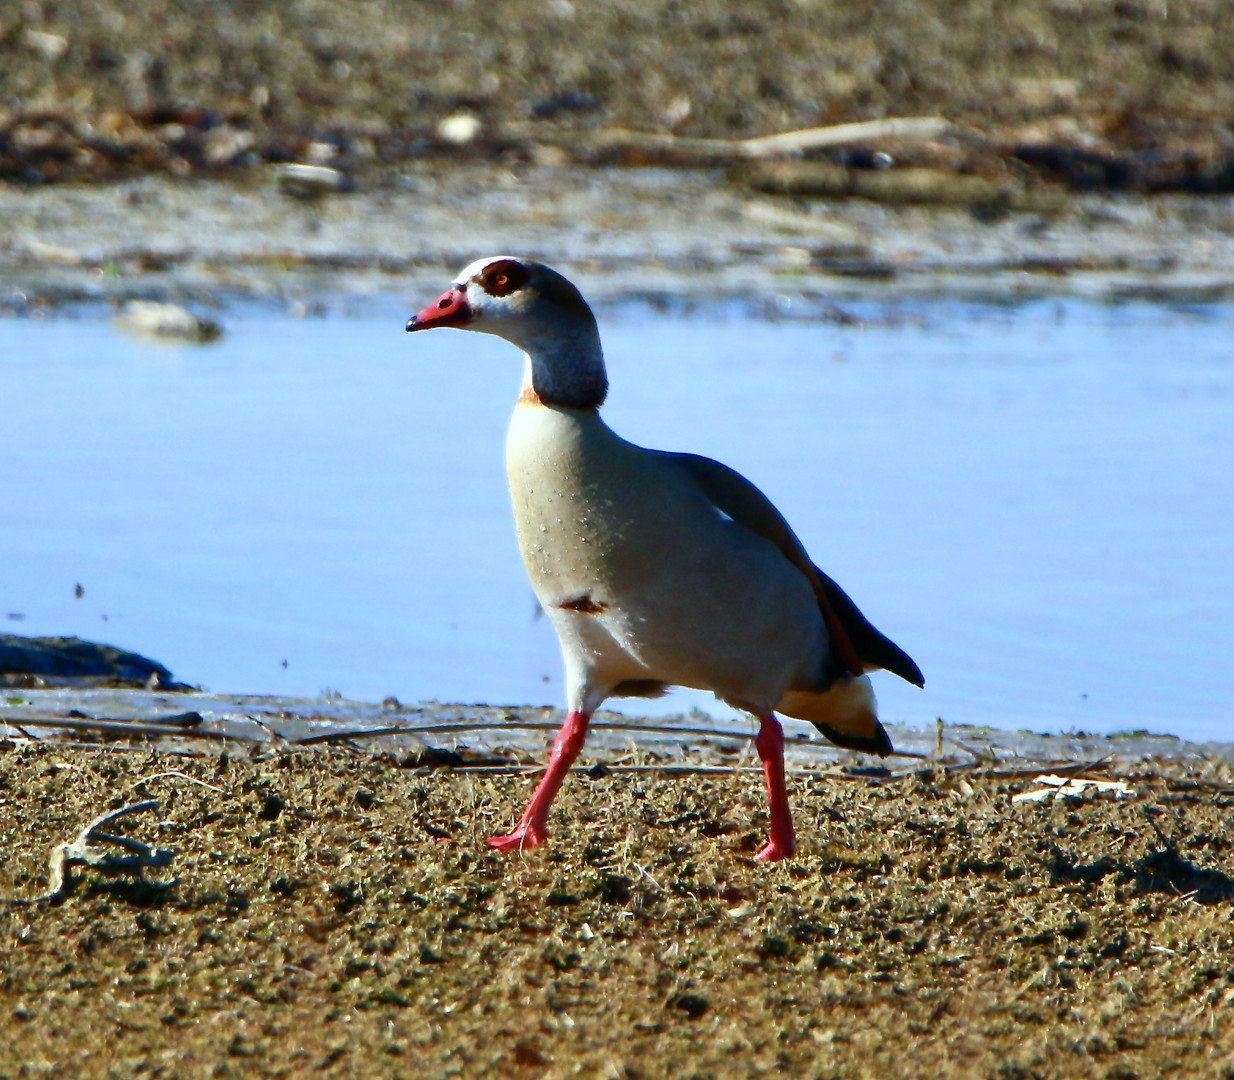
770	744
532	830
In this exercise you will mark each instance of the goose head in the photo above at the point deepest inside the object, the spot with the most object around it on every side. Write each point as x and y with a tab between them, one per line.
536	309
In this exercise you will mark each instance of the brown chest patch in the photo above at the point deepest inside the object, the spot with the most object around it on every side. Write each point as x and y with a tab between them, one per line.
583	604
529	397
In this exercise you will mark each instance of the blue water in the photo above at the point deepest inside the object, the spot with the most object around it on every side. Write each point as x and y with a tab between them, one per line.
1037	503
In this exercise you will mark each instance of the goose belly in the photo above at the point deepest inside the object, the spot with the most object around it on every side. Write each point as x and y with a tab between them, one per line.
643	578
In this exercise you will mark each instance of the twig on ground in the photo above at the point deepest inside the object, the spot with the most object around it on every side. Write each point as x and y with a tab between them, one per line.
80	851
672	770
1075	768
893	128
118	748
276	738
981	753
508	725
984	769
542	725
703	151
181	775
24	732
190	719
643	872
128	728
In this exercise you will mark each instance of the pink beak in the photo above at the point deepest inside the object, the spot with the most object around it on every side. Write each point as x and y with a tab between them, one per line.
451	310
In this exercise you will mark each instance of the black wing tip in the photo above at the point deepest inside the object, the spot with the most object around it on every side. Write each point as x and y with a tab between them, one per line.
879	743
871	644
894	659
912	673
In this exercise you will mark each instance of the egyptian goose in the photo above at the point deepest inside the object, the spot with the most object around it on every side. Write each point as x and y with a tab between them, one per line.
658	569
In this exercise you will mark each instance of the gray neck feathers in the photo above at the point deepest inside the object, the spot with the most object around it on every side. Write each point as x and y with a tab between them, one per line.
567	364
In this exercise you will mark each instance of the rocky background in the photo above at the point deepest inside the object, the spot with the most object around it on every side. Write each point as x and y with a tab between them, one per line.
1092	93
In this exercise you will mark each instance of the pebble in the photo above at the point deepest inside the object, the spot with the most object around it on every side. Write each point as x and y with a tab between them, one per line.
225	144
459	129
310	181
151	319
56	254
50	46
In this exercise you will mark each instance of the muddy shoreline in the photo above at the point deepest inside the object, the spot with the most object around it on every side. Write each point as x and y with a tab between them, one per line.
260	724
652	235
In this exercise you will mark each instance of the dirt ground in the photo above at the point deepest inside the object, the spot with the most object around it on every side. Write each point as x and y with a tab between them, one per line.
331	913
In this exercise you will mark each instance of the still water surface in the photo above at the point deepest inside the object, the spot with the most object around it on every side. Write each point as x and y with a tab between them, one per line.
1037	503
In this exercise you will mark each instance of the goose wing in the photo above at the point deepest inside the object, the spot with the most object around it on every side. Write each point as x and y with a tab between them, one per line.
858	645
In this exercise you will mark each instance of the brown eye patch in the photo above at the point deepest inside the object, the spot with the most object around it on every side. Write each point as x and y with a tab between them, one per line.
504	277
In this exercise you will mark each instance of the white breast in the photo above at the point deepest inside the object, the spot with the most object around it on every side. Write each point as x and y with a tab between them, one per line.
643	577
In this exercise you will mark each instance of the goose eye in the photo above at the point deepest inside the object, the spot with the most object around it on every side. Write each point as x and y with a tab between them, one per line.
504	278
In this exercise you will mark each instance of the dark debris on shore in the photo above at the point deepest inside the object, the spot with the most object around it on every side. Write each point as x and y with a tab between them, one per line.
966	167
1127	96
